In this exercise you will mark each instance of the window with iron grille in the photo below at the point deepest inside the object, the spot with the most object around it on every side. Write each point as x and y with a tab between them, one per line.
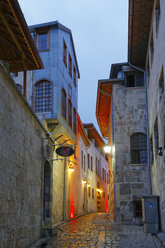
74	121
138	148
156	137
91	163
82	159
74	75
89	191
137	208
63	103
42	40
65	53
70	113
70	65
93	194
157	14
43	100
151	151
161	85
84	162
88	161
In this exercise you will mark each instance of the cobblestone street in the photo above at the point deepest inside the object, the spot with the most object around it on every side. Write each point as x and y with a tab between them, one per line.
96	230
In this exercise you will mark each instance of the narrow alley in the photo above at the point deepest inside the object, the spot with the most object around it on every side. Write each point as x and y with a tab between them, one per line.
96	230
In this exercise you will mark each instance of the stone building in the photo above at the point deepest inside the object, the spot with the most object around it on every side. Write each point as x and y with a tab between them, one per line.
146	50
23	140
121	115
53	95
92	173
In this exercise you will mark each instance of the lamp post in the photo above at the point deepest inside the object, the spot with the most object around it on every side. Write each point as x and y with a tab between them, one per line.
109	151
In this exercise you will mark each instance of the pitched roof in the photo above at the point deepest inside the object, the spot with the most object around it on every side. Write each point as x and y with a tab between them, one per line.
17	48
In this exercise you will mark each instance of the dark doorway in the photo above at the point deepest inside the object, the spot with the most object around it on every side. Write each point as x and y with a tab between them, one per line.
46	199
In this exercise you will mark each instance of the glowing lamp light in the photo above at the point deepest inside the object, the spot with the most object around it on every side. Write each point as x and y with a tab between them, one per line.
84	180
99	190
88	184
107	149
71	169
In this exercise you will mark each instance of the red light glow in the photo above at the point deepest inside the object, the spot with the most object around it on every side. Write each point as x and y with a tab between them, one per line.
107	209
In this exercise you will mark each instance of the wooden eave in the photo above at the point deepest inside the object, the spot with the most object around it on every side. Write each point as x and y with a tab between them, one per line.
103	106
82	132
17	49
93	133
140	15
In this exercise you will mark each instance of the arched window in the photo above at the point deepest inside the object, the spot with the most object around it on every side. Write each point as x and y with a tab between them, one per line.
70	113
138	148
64	103
43	100
74	120
46	200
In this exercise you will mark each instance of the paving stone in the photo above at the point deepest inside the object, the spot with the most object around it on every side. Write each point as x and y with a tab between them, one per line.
97	230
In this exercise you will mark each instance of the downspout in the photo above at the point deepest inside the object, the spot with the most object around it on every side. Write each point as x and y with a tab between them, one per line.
42	181
147	123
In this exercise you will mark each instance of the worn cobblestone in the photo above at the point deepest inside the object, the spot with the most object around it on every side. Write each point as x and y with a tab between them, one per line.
96	230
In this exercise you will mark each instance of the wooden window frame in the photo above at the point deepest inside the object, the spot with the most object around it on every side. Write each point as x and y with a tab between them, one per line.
74	76
41	31
70	121
64	105
65	53
70	65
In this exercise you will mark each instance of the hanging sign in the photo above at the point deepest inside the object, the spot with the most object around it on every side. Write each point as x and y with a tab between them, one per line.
65	151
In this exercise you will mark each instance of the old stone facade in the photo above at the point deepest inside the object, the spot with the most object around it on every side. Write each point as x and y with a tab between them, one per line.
124	93
23	154
155	64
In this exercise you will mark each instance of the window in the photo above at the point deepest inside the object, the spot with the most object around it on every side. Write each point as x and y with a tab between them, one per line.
84	162
70	113
20	88
89	191
107	177
74	75
151	48
63	103
103	194
137	208
70	65
88	161
135	80
42	41
156	137
148	71
74	121
96	165
65	54
161	85
82	158
43	101
91	163
138	148
75	153
157	14
102	173
93	194
151	151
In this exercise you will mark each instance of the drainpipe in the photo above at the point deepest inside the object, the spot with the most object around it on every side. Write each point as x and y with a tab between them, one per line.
113	162
42	181
147	123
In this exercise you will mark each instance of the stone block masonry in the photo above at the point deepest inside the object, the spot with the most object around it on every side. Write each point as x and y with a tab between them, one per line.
21	137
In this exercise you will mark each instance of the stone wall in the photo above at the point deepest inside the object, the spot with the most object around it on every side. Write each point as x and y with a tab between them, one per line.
156	104
131	180
21	137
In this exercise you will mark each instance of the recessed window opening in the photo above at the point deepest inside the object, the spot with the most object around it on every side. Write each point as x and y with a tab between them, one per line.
161	85
137	208
43	41
138	148
43	101
157	14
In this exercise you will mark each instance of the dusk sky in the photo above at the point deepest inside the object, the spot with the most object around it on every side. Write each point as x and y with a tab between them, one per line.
100	34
